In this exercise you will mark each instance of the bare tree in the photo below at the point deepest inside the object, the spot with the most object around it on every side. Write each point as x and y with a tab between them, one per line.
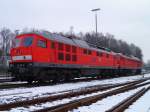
6	37
108	41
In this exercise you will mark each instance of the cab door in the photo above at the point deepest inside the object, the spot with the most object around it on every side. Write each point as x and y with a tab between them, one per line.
52	52
42	52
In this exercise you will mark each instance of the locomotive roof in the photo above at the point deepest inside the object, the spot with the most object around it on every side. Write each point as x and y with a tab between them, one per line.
129	57
63	39
74	41
81	43
71	41
57	37
77	42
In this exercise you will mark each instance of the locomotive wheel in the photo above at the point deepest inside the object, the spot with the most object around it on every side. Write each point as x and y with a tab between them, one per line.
29	80
99	77
42	76
56	78
40	81
68	77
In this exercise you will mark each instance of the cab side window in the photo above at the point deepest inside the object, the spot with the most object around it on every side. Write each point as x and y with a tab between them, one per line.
52	45
42	43
60	46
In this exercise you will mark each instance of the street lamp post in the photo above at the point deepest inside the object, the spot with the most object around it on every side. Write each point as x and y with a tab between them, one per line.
95	10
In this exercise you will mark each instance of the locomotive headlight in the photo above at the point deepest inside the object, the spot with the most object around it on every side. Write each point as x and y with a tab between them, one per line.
23	57
28	57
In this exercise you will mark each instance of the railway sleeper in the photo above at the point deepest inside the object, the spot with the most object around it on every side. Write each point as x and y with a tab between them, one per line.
88	100
128	101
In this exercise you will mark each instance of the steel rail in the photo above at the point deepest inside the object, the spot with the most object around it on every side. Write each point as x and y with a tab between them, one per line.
72	93
89	100
120	107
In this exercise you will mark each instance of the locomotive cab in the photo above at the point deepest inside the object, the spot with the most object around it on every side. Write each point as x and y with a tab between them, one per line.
22	49
28	50
21	56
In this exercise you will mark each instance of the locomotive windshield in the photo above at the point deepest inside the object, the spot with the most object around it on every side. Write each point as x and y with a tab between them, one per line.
27	41
16	42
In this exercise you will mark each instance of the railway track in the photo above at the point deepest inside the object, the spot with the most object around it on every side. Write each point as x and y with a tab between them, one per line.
91	99
8	83
88	90
8	79
12	84
123	105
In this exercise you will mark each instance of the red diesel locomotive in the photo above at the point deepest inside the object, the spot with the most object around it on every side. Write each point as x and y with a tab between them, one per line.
49	56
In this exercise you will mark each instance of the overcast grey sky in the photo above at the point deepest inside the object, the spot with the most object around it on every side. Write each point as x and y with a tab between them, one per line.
126	19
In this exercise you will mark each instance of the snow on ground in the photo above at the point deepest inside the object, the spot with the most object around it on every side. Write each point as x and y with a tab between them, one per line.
100	106
57	102
17	94
107	103
8	83
141	105
5	77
